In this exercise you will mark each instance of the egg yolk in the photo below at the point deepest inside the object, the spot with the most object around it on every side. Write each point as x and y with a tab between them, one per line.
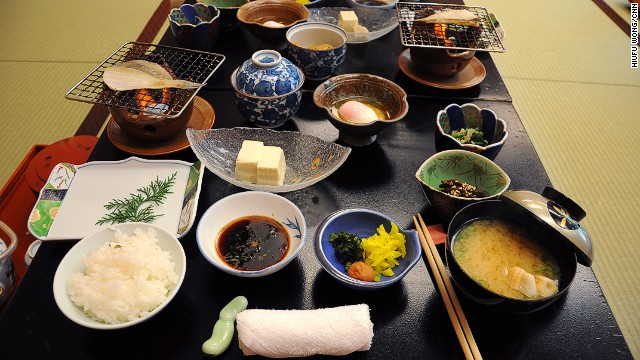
357	112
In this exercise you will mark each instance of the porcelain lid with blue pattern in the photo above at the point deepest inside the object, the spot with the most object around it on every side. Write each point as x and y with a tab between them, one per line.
267	74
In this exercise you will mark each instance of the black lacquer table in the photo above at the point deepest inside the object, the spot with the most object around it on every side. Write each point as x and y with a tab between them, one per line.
410	319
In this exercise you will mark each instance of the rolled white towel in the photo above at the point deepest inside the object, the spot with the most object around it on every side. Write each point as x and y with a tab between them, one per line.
295	333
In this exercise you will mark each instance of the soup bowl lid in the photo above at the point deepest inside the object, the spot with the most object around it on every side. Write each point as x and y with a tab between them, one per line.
558	212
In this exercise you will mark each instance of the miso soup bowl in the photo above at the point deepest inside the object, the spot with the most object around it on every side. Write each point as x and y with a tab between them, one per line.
249	203
503	209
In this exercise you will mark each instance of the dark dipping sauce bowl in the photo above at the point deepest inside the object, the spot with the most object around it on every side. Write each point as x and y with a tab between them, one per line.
561	248
235	209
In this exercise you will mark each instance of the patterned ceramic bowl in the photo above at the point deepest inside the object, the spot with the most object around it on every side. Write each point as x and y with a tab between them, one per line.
228	11
244	204
317	48
267	88
361	87
195	26
364	223
469	116
464	166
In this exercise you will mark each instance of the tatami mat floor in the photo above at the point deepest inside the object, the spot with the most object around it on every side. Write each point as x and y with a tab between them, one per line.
567	67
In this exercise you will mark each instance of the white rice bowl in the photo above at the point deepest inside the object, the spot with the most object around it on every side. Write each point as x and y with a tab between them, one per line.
119	276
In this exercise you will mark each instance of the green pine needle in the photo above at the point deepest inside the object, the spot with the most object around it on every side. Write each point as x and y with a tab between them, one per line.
130	209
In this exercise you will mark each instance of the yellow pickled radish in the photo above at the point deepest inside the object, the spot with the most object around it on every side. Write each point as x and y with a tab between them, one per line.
382	250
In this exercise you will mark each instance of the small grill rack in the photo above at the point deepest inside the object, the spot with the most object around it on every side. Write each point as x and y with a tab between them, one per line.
460	37
192	65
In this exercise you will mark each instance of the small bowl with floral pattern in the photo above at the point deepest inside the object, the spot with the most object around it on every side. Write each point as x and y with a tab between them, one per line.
241	206
317	48
485	178
195	26
467	127
267	88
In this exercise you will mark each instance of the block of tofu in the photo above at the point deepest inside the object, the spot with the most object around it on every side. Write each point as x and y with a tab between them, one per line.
348	20
360	33
271	166
247	160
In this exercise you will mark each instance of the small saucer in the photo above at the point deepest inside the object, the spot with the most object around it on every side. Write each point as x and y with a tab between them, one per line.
202	119
470	76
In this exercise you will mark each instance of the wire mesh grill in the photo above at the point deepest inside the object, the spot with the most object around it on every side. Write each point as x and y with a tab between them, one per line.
196	66
450	36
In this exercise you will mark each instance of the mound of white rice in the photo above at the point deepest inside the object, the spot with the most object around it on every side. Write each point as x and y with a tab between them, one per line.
125	279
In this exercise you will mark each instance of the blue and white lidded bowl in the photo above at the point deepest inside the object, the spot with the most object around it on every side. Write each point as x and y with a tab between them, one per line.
267	73
267	88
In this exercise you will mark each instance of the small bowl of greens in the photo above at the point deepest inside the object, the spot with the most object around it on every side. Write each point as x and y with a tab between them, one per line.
365	249
467	127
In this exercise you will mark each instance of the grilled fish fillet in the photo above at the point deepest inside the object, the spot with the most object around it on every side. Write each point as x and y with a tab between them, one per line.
141	74
457	17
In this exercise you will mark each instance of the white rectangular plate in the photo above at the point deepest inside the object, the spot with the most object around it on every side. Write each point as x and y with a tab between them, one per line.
73	199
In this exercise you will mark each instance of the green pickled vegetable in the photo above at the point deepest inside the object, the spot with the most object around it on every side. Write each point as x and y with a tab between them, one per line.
470	136
348	248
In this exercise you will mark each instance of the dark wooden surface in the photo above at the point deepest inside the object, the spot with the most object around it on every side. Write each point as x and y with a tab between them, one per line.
410	319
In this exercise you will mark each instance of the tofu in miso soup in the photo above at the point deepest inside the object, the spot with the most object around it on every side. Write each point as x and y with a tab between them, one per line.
503	258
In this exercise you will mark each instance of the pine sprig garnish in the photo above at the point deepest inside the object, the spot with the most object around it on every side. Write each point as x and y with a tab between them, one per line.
130	209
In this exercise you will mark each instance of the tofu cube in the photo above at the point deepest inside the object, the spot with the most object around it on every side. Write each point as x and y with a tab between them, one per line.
247	160
348	20
271	166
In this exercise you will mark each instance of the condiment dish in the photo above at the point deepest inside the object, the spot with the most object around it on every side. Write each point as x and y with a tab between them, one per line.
469	116
364	223
383	93
464	166
246	204
309	159
73	263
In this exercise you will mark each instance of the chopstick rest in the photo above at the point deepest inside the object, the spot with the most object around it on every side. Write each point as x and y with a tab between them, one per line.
295	333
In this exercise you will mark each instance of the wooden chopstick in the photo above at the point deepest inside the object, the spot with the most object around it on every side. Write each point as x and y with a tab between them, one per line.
459	321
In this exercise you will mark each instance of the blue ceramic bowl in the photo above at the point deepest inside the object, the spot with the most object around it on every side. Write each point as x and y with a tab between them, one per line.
317	64
456	117
364	223
195	26
267	88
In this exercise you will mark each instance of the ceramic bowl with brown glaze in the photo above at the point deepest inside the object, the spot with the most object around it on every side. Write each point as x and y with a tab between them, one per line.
286	12
148	127
440	62
365	88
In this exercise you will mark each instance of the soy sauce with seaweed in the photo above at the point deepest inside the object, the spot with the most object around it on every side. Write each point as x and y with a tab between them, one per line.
253	243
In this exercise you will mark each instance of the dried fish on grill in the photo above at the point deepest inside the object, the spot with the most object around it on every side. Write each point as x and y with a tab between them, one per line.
453	17
448	28
142	74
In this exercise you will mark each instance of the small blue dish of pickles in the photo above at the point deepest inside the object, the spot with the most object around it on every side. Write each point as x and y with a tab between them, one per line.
363	223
